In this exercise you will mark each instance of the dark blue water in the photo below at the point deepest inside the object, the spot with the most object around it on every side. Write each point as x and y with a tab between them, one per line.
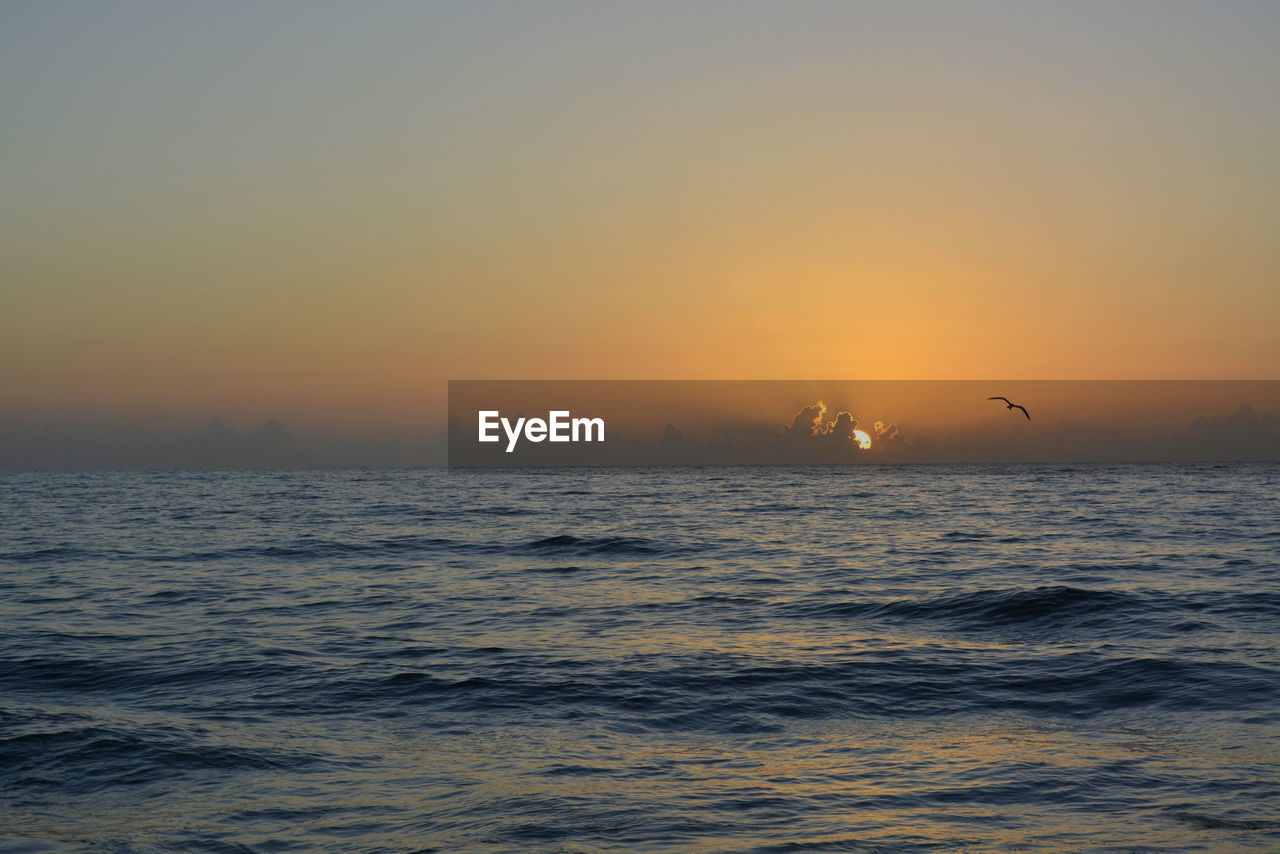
873	658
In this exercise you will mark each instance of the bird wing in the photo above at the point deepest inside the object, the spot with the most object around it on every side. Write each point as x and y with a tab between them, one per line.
1024	411
1005	399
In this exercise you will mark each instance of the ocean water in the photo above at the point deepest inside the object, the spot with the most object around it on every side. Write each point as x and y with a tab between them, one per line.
868	658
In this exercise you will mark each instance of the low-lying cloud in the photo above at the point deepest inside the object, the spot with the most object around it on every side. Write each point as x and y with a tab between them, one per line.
35	444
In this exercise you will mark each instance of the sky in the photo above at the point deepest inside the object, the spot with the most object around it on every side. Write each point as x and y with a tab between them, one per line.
316	214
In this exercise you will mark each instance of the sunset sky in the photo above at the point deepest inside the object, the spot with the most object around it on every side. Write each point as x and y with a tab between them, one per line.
321	212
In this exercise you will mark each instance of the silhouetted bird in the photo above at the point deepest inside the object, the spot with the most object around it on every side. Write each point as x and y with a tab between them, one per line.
1013	405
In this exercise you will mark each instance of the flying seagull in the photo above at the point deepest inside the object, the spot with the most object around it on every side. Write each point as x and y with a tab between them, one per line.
1013	405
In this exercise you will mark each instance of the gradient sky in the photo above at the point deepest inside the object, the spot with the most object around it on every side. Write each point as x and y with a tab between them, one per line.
320	212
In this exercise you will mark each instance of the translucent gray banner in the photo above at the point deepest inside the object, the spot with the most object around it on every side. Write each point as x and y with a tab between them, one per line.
812	422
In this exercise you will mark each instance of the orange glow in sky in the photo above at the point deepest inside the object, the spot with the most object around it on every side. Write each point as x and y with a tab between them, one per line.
231	213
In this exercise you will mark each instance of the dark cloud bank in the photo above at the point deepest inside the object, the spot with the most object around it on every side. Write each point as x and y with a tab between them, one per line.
34	445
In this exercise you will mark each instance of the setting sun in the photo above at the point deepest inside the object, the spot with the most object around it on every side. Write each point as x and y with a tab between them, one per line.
862	438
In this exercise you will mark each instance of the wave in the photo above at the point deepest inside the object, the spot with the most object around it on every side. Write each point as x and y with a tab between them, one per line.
596	545
731	693
1208	822
1052	607
91	758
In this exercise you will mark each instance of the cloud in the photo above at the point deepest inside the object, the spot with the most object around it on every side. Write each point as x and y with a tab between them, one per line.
271	437
270	444
887	437
1242	425
807	422
219	434
810	423
70	444
1243	434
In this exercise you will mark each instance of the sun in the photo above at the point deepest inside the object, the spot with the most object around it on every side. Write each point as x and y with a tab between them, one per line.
862	438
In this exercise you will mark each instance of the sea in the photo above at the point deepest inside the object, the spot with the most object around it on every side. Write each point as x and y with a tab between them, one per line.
867	658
